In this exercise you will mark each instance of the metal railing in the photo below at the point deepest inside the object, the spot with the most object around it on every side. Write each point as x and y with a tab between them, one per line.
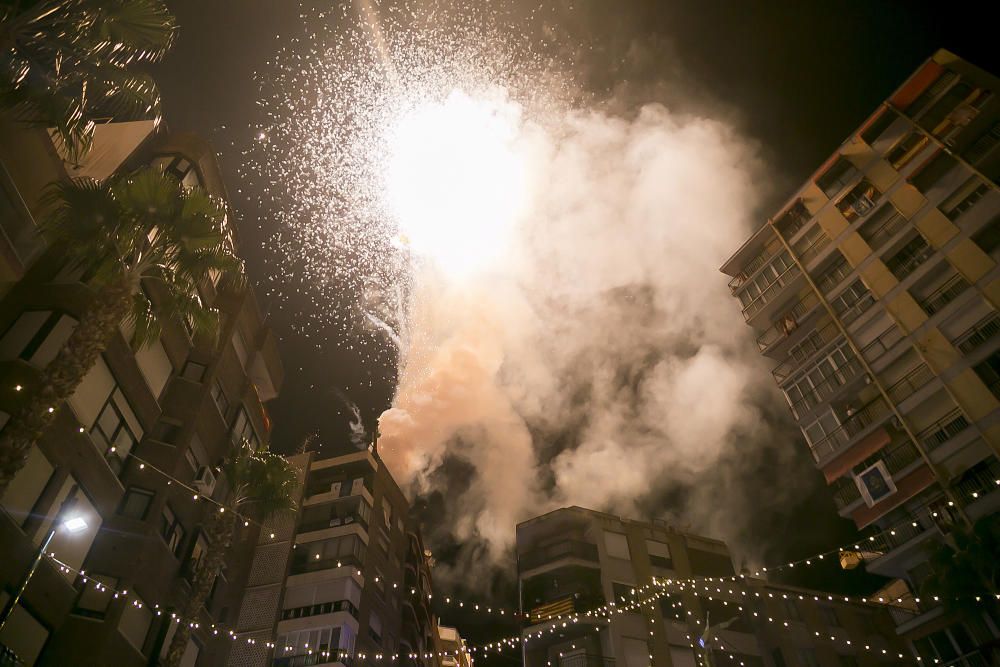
825	334
980	332
815	248
943	295
828	387
900	457
553	552
750	269
774	288
846	493
978	482
882	343
842	436
857	309
909	257
788	321
896	537
877	236
943	429
908	385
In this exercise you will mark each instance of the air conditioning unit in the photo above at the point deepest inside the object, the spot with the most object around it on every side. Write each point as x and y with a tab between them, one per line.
204	481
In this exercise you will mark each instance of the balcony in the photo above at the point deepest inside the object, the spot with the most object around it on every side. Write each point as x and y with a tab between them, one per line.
586	660
942	296
805	351
857	422
846	493
910	383
860	201
827	388
312	659
301	564
751	268
909	257
882	227
771	291
882	344
568	604
788	322
319	609
896	537
559	551
979	333
943	430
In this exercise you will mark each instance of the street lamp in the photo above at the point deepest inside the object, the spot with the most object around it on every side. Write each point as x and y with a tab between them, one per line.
63	519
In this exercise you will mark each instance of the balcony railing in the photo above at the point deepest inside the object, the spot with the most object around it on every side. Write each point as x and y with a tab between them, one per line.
345	519
857	309
895	537
908	385
553	552
977	482
319	609
772	290
885	341
886	229
840	437
814	248
943	295
751	268
586	660
909	257
314	658
567	604
901	456
812	344
980	332
788	322
846	493
827	388
943	429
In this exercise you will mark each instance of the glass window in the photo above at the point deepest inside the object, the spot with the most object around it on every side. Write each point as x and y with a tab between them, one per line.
964	197
837	176
989	372
932	172
616	545
988	238
194	371
96	595
135	622
860	201
171	530
907	148
243	430
219	396
136	502
882	226
113	432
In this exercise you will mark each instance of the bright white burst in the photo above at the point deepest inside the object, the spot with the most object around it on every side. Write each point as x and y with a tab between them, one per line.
391	140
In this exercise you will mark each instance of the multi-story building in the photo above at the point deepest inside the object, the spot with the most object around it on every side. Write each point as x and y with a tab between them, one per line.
874	291
574	560
453	647
345	577
177	404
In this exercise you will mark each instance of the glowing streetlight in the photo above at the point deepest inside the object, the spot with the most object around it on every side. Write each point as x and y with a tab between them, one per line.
64	520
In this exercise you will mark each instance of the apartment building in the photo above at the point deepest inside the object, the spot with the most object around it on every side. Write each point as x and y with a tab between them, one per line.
874	292
453	646
574	560
178	404
346	577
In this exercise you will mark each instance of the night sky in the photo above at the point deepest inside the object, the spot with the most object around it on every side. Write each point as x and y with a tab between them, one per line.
795	77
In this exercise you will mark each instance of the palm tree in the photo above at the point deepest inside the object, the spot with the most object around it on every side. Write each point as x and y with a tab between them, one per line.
68	64
966	567
261	484
142	228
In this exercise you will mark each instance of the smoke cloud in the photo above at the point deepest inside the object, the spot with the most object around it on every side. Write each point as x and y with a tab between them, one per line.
605	359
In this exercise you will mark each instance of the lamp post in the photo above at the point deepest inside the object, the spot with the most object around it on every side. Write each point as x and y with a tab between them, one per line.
71	524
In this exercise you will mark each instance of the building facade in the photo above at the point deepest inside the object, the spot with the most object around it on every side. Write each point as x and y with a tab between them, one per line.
176	405
345	577
574	560
874	292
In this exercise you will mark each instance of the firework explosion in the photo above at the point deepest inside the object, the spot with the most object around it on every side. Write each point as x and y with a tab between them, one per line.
543	270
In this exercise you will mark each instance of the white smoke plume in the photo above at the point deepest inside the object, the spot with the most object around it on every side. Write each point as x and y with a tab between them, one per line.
608	328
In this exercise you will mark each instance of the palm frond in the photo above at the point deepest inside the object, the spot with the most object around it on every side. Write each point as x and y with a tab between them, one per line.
134	30
262	482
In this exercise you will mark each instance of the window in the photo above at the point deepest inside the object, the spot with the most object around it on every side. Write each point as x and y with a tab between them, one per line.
860	201
375	627
171	530
807	657
180	168
198	551
659	554
906	149
829	615
36	337
981	148
932	171
834	273
243	430
96	595
219	396
116	431
793	220
617	545
710	563
23	633
906	260
882	226
812	241
136	502
383	542
387	512
989	372
791	609
933	91
875	130
379	581
135	622
623	593
964	197
988	238
194	371
852	302
954	110
837	176
305	644
327	554
822	379
167	431
760	288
